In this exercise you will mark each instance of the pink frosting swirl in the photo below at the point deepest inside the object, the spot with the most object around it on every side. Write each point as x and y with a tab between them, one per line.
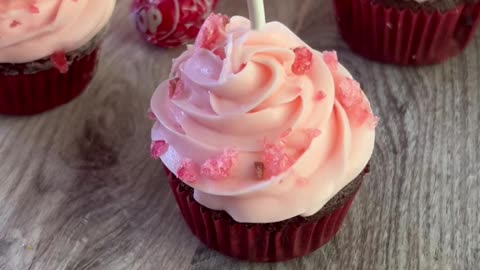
252	135
57	25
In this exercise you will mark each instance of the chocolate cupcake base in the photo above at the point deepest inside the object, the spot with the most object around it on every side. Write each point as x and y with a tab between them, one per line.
269	242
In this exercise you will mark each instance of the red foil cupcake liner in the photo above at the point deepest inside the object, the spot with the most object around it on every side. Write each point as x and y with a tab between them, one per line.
256	242
27	94
405	37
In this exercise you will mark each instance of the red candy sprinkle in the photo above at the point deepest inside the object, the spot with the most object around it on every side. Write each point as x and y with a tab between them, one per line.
15	23
212	31
242	66
285	134
373	122
158	148
303	60
33	9
312	133
151	115
221	166
275	159
320	95
59	60
186	171
331	59
175	88
350	95
349	92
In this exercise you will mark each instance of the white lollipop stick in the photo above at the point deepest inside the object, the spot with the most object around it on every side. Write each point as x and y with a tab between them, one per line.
256	12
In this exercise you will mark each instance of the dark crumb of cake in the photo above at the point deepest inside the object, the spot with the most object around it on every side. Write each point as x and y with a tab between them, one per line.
429	5
259	169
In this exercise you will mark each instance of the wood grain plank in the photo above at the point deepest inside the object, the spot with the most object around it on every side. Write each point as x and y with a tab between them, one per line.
79	191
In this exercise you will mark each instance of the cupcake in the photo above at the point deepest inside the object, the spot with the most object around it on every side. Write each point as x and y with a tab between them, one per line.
407	32
48	51
265	141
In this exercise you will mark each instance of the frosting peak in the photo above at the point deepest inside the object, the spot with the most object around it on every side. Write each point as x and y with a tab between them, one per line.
58	25
288	112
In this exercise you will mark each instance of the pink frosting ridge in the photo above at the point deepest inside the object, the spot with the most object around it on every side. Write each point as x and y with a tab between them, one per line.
34	29
259	124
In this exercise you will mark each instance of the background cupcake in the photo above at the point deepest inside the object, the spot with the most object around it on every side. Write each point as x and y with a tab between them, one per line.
265	140
48	51
407	32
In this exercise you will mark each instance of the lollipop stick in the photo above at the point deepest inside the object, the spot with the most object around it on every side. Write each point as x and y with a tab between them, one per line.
256	10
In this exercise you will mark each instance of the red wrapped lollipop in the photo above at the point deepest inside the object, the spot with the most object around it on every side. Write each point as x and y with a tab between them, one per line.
170	23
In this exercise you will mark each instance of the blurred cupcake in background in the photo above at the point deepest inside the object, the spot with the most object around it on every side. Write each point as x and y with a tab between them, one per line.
407	32
48	51
170	23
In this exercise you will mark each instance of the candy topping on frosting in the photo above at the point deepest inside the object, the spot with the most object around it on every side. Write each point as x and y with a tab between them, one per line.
331	59
303	60
285	134
350	95
158	148
187	171
213	31
59	60
275	159
151	115
15	23
319	95
175	88
312	133
221	166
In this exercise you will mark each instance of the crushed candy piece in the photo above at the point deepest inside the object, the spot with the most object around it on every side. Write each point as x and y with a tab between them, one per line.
220	52
15	23
59	60
373	121
350	95
312	133
158	148
212	31
319	95
349	92
33	9
285	134
303	60
187	171
362	114
242	66
331	59
175	88
221	166
275	159
259	169
151	115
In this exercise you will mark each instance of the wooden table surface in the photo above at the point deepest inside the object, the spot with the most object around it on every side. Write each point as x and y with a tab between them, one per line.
78	189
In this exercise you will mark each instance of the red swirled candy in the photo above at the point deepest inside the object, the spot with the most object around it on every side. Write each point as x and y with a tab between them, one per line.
170	23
